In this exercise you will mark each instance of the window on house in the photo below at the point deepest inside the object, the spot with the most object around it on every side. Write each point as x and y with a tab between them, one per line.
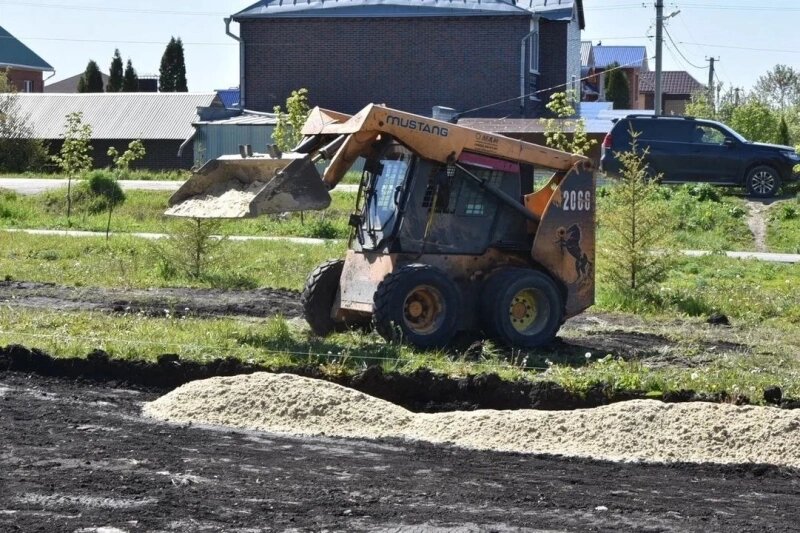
27	86
533	56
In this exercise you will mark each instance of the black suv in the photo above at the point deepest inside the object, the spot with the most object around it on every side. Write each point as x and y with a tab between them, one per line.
688	150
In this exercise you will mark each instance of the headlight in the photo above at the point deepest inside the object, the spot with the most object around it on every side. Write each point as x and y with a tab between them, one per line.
794	156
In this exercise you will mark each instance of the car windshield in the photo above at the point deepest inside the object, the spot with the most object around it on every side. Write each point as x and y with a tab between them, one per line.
733	133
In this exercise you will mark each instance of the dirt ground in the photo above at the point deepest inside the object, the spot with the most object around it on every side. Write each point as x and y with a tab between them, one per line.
78	457
595	332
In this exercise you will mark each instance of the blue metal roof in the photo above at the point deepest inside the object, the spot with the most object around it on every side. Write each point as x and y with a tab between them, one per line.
627	56
378	8
15	54
229	97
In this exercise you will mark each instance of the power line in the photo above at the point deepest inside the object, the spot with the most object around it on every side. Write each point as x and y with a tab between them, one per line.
717	7
72	7
70	40
679	51
783	50
559	86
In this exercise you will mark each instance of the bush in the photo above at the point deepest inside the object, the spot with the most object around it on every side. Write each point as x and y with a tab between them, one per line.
636	255
190	250
704	192
786	212
11	209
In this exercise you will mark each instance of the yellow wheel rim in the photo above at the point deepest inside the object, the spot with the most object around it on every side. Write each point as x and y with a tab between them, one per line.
424	309
523	311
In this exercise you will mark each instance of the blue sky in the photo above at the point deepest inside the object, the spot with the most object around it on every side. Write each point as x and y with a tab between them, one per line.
747	37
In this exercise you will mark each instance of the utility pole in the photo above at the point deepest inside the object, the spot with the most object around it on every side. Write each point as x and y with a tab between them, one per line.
659	38
711	99
736	100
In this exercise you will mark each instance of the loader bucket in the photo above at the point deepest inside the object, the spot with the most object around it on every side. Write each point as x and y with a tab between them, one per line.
235	187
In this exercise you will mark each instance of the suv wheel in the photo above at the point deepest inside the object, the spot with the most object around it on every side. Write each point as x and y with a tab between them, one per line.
763	182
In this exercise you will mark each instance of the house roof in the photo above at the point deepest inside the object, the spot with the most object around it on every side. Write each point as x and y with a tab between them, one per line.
230	97
14	54
672	82
561	10
377	8
116	115
627	56
586	54
247	118
70	85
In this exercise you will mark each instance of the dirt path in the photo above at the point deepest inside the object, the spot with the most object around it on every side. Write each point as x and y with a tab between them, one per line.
757	221
153	302
78	457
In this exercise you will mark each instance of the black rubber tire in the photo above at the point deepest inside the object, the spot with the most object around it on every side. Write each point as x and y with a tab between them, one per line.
763	182
498	296
400	289
319	295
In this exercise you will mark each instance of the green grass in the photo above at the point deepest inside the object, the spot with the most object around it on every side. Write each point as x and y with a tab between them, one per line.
276	342
137	263
749	290
783	232
761	298
702	217
143	212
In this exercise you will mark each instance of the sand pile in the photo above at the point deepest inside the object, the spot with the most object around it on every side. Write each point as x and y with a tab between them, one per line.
642	430
230	199
282	403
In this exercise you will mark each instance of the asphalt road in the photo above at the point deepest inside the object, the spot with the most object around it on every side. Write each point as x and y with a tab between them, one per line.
35	185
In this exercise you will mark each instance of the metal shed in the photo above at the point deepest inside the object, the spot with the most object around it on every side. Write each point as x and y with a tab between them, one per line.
214	138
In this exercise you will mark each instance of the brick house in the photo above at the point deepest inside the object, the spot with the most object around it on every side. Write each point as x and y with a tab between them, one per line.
677	88
162	121
411	54
25	69
632	60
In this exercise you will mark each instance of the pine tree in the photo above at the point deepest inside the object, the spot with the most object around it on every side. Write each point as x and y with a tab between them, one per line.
115	74
92	80
173	68
784	137
618	88
181	84
130	81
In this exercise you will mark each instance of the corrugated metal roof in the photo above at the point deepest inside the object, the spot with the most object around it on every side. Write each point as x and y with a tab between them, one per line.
248	118
672	82
378	8
116	115
560	10
586	54
628	56
15	54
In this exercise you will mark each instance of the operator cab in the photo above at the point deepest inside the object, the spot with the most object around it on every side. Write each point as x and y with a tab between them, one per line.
457	215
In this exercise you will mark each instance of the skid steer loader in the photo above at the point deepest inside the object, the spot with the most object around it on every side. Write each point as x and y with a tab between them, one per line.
448	234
